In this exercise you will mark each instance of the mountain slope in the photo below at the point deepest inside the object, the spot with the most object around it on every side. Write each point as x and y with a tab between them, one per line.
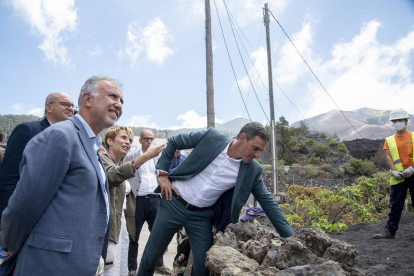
370	123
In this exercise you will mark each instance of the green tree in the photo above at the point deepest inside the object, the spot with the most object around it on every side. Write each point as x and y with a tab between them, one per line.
342	147
309	142
314	160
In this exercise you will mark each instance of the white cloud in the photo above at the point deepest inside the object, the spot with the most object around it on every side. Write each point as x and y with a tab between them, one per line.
366	73
50	19
141	121
214	45
17	107
97	51
20	108
290	65
192	119
362	72
36	111
258	74
151	40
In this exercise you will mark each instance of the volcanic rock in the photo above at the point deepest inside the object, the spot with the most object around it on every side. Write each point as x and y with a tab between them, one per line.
220	258
317	266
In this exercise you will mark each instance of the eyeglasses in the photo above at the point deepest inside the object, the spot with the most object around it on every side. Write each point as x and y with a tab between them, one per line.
66	104
147	139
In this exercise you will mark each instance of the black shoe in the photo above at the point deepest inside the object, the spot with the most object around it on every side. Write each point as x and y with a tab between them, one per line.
385	235
163	270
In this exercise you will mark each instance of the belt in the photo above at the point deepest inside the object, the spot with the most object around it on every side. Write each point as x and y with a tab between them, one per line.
151	196
188	205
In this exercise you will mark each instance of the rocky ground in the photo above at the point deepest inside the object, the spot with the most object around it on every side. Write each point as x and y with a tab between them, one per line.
255	248
383	257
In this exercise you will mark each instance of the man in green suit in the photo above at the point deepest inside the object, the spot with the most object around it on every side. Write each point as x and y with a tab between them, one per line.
191	191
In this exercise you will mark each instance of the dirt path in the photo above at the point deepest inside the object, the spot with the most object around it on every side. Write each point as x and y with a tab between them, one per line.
168	256
383	257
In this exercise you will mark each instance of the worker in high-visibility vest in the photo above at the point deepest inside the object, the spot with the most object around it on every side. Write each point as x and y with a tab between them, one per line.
399	152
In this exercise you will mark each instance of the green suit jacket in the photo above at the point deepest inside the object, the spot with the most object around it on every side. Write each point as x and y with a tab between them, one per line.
207	145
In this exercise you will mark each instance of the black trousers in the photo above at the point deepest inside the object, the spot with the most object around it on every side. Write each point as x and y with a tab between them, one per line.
146	211
398	195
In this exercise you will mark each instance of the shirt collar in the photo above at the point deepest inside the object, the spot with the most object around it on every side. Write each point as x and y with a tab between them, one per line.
89	131
225	152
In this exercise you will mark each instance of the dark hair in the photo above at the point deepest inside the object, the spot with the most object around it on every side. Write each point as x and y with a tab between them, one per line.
252	130
1	137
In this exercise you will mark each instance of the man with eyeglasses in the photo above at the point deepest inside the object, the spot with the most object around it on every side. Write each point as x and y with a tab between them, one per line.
58	107
147	202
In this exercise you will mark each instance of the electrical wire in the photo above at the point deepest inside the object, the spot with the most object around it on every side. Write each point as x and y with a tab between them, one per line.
231	63
244	65
323	87
277	135
237	25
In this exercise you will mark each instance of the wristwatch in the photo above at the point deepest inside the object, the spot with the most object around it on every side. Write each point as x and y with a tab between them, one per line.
133	165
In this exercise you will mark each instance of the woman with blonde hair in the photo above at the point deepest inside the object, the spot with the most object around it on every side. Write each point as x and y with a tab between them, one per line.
119	140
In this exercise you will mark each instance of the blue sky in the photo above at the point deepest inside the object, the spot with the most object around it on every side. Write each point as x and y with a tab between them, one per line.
362	51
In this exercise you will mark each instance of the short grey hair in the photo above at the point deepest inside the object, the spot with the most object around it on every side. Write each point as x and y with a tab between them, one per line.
91	86
254	129
49	99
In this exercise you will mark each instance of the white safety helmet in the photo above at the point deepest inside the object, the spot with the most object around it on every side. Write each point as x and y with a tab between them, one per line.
399	113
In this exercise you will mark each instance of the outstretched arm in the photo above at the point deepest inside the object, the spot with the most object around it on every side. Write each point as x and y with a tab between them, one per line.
271	208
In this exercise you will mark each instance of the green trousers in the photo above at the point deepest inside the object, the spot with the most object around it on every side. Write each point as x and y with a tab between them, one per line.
171	217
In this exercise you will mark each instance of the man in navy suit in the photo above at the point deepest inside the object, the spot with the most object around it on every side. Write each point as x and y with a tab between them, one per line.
58	107
58	217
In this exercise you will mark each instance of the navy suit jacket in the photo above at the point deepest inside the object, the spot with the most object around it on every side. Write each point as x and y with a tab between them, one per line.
207	145
9	170
56	217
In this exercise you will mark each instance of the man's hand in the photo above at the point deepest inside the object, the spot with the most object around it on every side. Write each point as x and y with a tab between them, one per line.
154	151
166	187
397	175
407	172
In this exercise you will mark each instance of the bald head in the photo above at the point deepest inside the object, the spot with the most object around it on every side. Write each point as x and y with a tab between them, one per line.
58	107
146	138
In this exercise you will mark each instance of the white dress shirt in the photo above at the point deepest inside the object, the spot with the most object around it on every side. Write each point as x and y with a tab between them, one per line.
148	175
205	188
96	143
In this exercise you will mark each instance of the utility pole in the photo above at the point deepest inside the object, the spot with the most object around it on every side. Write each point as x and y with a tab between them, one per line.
209	69
272	110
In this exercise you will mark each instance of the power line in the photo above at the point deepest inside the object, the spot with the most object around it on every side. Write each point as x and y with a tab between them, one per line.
231	63
244	65
272	77
277	135
257	47
314	74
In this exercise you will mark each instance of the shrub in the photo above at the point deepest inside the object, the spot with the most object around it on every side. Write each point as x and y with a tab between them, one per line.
337	174
260	161
316	207
320	150
314	160
326	167
342	147
288	158
281	166
267	168
300	137
359	167
322	135
309	169
309	142
333	143
324	175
